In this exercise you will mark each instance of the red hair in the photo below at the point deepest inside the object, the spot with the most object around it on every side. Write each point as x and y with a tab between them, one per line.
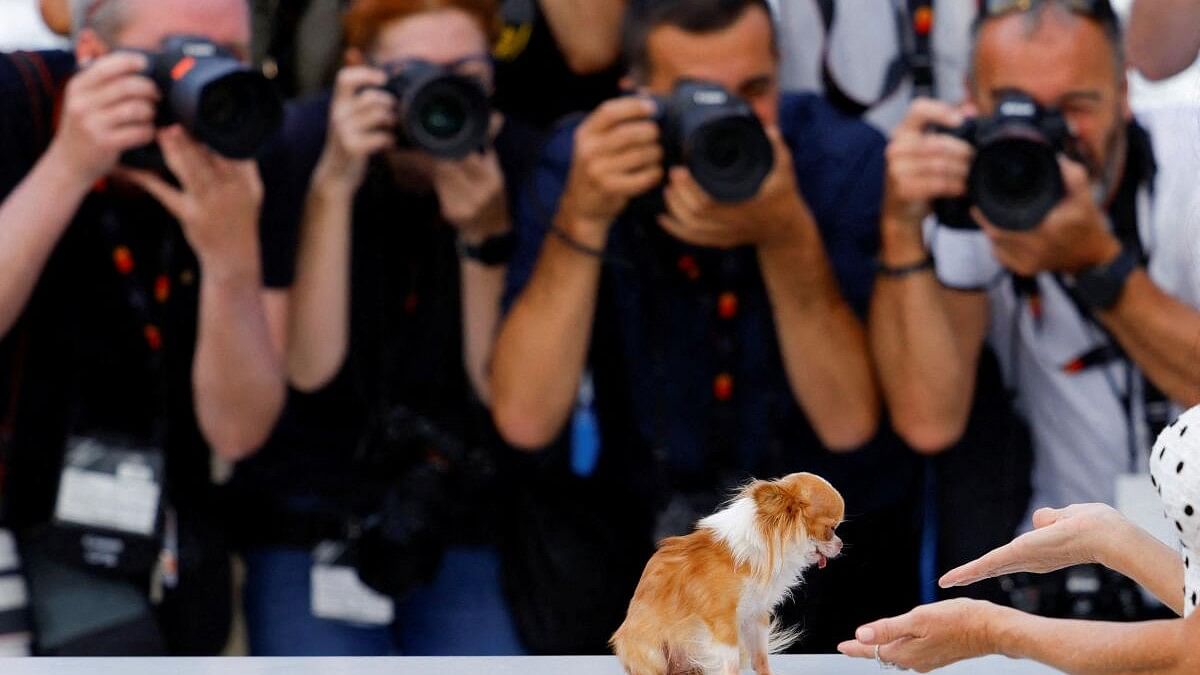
366	18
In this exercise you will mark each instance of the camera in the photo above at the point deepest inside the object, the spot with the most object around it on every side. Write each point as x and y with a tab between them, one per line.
1015	179
717	136
223	103
427	479
440	112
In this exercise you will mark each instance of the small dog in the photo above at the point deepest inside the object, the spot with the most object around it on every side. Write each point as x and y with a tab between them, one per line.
705	600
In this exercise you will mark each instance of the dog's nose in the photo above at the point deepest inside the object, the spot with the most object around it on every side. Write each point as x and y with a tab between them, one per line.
835	545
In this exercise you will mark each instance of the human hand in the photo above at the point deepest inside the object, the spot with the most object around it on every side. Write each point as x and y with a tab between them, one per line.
1072	238
774	215
617	157
472	193
362	122
1061	538
108	108
217	203
923	166
929	637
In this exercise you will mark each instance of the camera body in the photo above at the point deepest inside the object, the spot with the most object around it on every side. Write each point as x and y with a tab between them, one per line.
426	480
717	136
223	103
1015	178
440	112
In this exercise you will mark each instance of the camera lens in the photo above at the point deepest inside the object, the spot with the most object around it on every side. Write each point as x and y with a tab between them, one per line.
444	117
442	113
1016	182
219	108
730	157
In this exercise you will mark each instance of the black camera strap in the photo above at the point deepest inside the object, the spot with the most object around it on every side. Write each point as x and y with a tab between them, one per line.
914	30
1125	215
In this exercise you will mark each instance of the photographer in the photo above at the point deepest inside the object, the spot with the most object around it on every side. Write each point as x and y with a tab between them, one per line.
707	340
386	452
145	338
1074	261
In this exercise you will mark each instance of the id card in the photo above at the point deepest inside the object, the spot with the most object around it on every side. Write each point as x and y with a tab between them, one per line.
1139	502
110	487
339	595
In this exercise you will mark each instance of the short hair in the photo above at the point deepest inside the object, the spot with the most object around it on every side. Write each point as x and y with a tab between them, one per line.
106	18
1035	17
693	16
366	18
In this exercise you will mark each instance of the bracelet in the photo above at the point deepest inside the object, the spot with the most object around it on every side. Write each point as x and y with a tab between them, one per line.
494	251
575	244
926	263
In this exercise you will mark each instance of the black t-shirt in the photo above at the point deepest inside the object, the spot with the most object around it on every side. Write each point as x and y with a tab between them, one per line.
80	346
533	81
405	348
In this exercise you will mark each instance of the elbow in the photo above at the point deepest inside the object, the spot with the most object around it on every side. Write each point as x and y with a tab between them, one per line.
525	426
307	374
926	435
851	432
590	59
523	429
234	445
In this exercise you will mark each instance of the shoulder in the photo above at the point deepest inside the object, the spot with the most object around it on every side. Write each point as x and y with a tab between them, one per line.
816	130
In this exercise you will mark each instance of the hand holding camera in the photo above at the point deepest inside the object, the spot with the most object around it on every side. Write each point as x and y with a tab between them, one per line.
362	119
217	204
109	108
617	157
924	166
471	192
1073	237
695	216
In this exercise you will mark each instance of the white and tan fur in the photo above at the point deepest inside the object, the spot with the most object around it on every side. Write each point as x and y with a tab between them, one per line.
705	600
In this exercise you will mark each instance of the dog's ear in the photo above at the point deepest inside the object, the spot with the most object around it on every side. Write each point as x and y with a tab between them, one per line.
775	500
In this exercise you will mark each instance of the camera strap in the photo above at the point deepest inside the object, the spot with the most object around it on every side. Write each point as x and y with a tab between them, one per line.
1130	216
914	20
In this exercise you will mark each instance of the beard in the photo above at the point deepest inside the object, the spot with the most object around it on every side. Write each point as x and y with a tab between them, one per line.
1105	174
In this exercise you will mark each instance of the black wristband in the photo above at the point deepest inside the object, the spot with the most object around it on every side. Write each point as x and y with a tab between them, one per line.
1100	287
926	263
492	252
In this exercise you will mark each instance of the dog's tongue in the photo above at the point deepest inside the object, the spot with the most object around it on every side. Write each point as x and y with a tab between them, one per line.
822	561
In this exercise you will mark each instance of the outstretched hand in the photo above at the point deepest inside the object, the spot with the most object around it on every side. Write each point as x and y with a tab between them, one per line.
1061	538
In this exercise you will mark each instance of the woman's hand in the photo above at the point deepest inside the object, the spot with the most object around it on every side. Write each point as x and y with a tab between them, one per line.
1078	534
929	637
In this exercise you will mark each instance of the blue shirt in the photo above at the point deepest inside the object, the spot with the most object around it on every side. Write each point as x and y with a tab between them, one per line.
666	346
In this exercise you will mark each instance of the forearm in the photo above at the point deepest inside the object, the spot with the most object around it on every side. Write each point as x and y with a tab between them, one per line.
32	220
238	374
926	374
1135	553
1162	39
318	334
542	347
1159	334
587	31
823	343
1097	648
482	289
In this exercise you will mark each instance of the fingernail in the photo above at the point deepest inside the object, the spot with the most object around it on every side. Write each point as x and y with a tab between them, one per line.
865	634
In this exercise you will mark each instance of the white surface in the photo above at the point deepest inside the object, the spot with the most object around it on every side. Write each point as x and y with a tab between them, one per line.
547	665
21	27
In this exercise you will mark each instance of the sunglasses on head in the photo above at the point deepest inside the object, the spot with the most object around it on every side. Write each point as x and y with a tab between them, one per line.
1100	10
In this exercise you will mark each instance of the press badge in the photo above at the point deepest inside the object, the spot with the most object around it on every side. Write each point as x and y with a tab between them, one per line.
339	595
110	486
